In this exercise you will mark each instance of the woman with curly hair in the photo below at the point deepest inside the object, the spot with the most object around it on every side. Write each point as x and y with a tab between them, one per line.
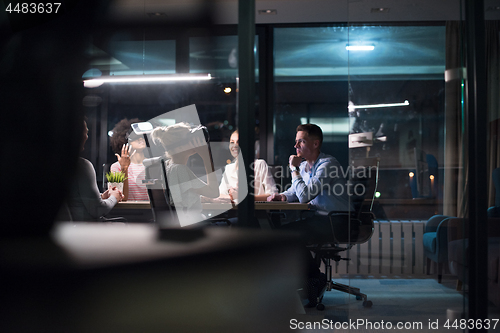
129	150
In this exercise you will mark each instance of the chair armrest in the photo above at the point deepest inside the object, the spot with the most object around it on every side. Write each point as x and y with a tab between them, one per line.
432	224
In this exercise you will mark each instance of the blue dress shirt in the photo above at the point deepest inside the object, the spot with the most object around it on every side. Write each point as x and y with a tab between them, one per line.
323	186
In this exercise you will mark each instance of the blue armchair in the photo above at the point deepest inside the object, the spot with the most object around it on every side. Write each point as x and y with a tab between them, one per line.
436	242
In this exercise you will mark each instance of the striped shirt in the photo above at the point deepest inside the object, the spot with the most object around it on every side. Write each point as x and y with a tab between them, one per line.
136	174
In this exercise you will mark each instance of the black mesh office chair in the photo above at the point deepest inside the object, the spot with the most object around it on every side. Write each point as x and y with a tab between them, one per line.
349	229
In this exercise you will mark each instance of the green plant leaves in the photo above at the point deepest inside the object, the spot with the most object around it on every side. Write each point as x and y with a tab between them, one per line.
115	177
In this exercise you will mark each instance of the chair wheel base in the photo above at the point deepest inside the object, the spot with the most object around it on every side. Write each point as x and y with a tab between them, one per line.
320	307
367	304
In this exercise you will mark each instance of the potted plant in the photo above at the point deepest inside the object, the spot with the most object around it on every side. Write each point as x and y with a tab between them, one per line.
115	179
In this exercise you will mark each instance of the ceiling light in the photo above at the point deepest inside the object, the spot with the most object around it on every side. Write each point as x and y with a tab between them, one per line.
96	82
380	10
353	107
267	12
360	47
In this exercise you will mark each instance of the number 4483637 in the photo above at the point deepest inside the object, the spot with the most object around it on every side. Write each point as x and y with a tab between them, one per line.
471	324
33	8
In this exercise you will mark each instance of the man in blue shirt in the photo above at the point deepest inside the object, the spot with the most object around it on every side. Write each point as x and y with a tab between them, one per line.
317	178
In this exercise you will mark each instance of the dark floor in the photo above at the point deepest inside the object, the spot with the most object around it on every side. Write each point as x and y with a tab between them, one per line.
416	302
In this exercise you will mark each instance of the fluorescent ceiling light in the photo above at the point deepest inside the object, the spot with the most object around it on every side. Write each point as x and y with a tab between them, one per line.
360	47
95	82
353	107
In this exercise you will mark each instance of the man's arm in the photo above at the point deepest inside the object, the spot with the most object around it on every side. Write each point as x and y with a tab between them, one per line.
320	182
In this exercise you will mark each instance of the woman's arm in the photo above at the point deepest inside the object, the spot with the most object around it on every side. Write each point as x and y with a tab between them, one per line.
89	193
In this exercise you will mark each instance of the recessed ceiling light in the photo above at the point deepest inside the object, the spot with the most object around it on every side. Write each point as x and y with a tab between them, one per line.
380	10
267	12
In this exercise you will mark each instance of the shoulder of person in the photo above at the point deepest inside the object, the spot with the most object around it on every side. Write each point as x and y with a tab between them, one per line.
179	170
260	163
83	162
325	158
115	165
230	166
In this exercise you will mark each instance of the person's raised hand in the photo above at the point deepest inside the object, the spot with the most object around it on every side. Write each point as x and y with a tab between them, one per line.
124	158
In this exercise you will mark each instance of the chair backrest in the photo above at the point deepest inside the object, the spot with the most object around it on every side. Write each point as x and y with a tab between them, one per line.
106	167
357	226
363	182
159	195
351	230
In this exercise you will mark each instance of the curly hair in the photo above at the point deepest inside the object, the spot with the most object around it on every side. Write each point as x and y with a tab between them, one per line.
120	133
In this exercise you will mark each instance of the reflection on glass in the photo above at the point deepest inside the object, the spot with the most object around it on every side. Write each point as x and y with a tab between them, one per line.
186	169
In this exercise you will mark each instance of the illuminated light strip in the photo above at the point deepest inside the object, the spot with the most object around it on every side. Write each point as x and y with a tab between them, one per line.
353	107
360	47
145	78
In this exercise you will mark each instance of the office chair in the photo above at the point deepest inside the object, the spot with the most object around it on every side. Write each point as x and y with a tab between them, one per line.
106	167
349	229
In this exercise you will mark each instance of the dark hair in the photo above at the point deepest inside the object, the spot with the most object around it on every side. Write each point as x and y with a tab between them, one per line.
313	131
121	133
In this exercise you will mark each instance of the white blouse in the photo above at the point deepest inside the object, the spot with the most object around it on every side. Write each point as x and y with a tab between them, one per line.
263	180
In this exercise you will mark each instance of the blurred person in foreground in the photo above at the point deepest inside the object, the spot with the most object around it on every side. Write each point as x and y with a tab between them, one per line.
85	202
180	142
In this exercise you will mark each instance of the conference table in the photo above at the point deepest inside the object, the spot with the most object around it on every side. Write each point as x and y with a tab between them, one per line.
262	208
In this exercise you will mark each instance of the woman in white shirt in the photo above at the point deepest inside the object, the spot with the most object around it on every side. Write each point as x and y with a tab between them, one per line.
263	183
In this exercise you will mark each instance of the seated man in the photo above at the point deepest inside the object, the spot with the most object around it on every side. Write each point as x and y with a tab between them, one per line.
317	178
